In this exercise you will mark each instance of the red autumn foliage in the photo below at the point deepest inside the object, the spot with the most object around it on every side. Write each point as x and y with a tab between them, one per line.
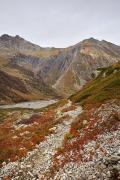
71	108
15	142
87	126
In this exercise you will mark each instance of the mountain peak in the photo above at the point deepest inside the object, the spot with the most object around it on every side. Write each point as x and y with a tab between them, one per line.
90	40
6	37
18	37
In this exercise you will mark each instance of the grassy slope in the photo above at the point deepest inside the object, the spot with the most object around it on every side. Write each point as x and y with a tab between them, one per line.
106	86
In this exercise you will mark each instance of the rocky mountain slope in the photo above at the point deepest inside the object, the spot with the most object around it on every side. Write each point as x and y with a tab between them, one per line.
10	46
84	59
75	138
23	86
19	83
63	70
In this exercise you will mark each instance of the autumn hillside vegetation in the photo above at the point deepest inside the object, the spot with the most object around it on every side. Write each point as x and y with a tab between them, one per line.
106	86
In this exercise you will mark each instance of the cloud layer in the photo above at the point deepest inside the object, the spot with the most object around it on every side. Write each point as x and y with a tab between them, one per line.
61	23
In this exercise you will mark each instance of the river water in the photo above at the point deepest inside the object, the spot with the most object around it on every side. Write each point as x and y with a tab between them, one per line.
30	105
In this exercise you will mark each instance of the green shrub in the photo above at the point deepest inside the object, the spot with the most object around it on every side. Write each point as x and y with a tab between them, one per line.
69	136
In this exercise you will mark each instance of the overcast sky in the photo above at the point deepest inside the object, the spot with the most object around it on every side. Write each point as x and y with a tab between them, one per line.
61	23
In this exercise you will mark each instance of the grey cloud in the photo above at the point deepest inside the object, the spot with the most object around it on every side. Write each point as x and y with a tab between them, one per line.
61	23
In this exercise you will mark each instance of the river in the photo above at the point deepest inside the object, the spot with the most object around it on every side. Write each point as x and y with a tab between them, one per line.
30	105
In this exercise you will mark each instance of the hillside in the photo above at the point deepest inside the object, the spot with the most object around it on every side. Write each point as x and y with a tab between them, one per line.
87	56
63	70
18	83
75	138
72	67
91	148
23	86
105	87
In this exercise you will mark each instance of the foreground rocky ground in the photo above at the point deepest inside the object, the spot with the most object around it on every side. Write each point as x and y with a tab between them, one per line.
38	161
105	163
92	150
81	144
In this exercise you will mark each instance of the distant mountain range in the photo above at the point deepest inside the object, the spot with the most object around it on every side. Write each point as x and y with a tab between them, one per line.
31	72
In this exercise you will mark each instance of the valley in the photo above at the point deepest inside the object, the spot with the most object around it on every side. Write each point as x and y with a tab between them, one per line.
59	111
37	73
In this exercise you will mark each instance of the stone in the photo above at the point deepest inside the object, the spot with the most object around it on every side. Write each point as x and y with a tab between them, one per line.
85	122
4	163
30	174
112	160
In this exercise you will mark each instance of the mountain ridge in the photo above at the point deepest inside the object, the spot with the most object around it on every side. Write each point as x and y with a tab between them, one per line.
65	70
7	36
